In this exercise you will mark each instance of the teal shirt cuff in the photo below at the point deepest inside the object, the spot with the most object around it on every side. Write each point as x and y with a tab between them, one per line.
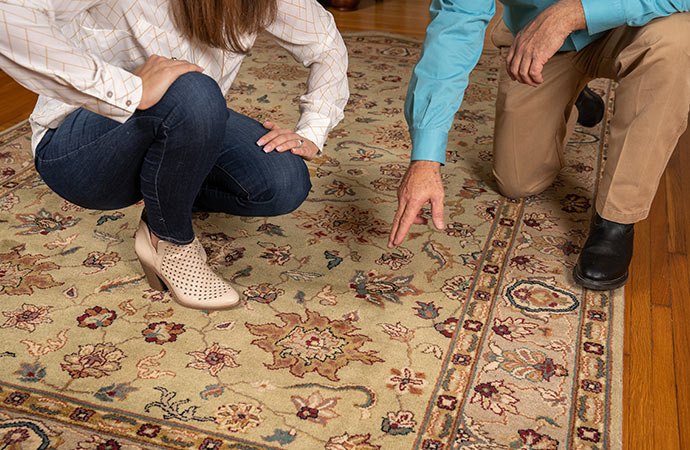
603	15
429	145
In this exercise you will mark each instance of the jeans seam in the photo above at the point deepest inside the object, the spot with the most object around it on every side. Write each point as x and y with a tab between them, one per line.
233	179
155	184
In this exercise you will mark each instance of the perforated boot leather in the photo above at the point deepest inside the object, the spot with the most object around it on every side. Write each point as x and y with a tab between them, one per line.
184	271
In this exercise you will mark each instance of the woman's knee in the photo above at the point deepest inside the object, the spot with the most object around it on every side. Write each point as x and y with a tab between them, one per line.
197	101
287	188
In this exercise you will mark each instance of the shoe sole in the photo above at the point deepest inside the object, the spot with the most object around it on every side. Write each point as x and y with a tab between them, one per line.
599	285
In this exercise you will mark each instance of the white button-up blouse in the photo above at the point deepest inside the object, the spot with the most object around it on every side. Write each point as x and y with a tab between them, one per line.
81	53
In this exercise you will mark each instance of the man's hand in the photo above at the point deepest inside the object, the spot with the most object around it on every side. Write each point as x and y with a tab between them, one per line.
157	74
284	139
535	44
420	185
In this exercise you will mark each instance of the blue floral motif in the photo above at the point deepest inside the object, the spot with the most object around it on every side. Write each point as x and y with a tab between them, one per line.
31	373
114	391
280	436
427	310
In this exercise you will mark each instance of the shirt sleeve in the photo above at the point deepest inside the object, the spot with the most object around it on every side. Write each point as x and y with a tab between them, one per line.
606	15
306	30
37	54
452	46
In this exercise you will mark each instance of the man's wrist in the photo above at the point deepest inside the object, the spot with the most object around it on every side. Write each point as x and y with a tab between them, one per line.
426	164
571	14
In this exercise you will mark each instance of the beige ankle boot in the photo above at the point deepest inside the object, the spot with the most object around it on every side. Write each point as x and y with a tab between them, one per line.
183	270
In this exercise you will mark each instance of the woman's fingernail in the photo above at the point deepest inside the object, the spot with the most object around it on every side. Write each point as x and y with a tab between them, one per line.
259	142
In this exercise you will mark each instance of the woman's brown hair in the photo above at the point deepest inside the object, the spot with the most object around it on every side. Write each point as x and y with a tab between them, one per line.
222	23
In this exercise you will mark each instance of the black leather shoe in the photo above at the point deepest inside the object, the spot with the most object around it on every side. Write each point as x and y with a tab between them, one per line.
590	107
604	259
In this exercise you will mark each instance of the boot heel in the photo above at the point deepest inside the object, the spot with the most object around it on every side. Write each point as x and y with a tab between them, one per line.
154	280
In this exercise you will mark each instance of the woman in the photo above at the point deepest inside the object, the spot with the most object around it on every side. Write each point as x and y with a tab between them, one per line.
132	107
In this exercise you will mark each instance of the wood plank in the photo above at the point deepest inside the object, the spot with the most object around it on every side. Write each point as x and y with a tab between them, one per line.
680	295
639	336
666	431
409	17
16	103
659	251
626	400
676	214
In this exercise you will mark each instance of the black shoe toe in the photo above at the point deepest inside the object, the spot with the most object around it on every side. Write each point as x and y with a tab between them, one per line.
605	257
590	108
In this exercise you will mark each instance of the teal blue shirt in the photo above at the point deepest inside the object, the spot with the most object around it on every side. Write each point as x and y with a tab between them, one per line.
454	41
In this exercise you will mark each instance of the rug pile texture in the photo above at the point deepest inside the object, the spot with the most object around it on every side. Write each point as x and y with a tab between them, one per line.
474	337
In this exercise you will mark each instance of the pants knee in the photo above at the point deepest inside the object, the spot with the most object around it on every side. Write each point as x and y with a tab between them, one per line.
287	192
198	104
516	190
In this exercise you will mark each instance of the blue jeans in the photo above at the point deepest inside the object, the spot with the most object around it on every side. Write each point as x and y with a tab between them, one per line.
188	152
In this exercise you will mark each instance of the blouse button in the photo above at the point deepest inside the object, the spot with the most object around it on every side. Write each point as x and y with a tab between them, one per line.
109	94
128	102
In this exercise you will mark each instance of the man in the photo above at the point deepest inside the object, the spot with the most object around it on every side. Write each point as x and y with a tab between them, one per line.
558	47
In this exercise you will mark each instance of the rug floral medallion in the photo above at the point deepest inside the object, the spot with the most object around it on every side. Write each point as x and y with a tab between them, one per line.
474	337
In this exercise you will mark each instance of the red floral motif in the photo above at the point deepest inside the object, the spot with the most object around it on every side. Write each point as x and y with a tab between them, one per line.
343	224
528	263
19	274
221	249
96	317
277	255
512	329
574	203
377	288
496	397
239	417
315	344
27	317
214	359
531	440
315	408
406	381
263	293
162	332
351	442
43	222
96	361
100	260
278	72
447	327
396	259
393	137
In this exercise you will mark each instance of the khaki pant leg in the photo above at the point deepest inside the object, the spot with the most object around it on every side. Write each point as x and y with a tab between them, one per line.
652	65
533	124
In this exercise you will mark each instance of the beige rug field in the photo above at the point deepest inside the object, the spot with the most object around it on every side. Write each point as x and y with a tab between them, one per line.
471	338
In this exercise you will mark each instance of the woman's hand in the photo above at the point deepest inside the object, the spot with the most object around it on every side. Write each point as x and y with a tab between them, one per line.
157	74
284	139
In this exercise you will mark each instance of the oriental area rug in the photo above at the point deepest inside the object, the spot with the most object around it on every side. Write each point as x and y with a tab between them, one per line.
474	337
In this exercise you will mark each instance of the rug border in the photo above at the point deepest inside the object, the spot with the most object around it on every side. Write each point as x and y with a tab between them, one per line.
15	126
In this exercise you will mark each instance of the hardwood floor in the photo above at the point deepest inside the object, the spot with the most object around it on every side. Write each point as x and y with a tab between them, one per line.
657	310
